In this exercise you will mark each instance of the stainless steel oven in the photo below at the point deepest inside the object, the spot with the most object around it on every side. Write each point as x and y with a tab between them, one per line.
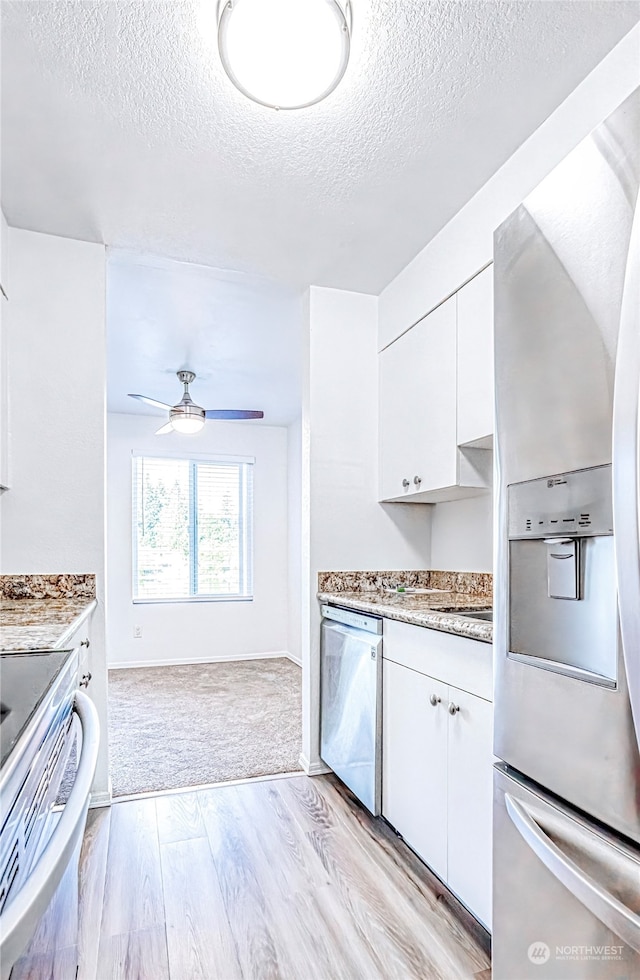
43	711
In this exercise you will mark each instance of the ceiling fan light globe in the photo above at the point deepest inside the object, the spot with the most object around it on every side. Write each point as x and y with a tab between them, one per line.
187	424
284	54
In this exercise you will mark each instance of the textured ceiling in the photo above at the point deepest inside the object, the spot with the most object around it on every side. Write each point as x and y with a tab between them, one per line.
120	126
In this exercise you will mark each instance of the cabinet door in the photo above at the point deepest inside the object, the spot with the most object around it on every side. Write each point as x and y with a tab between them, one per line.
470	802
475	358
414	762
400	416
80	640
418	406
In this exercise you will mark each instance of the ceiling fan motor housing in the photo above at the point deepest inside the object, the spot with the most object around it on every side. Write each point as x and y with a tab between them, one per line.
186	407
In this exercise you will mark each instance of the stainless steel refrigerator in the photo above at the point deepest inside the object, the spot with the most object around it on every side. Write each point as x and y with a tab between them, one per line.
567	617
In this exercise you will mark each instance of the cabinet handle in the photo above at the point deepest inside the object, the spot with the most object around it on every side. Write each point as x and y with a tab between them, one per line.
405	483
85	679
417	480
434	700
85	643
453	708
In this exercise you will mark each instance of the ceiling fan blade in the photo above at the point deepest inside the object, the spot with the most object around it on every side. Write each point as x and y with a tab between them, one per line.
164	429
151	401
232	413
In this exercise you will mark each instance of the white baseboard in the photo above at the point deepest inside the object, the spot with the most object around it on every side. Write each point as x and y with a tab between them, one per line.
316	768
184	661
100	799
294	660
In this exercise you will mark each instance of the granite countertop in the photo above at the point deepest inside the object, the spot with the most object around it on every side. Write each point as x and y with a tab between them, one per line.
436	610
435	606
29	625
42	612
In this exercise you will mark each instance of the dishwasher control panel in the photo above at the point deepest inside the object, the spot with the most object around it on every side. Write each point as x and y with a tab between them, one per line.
351	617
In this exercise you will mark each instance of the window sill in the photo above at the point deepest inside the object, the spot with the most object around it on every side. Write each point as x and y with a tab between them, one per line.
194	598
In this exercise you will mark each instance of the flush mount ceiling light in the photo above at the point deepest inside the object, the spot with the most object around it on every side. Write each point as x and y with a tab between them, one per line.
285	54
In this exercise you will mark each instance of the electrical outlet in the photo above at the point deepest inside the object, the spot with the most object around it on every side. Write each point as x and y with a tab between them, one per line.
137	632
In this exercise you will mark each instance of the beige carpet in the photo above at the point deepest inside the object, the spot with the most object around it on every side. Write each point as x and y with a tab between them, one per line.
203	723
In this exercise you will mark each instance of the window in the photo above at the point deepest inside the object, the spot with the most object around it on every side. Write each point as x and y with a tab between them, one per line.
192	528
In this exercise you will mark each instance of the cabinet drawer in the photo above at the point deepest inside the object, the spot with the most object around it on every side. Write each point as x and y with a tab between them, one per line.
456	660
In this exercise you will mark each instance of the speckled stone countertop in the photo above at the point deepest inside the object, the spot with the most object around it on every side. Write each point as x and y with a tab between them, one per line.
437	609
47	586
41	612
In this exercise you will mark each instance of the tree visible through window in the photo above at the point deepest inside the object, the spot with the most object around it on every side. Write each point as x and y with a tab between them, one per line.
192	528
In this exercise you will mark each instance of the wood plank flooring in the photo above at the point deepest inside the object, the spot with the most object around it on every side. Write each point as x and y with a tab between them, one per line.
286	879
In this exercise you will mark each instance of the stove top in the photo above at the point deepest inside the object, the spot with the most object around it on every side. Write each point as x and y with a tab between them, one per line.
25	679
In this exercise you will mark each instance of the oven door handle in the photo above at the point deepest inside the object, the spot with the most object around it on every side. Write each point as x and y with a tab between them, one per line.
22	913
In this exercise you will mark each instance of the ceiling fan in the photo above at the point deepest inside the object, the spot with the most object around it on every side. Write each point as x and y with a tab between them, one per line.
187	417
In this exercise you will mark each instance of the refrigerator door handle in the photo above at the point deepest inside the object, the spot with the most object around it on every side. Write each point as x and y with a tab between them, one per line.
606	907
626	490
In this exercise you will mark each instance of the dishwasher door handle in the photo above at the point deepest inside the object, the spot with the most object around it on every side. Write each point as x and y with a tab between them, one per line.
21	915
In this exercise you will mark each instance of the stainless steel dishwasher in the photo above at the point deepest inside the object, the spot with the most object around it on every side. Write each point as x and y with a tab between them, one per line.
351	701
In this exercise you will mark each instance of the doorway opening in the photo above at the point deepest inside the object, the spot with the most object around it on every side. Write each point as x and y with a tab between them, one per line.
203	529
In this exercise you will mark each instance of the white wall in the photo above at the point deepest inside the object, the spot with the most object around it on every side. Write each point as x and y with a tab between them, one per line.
462	530
462	535
294	528
198	631
53	515
348	528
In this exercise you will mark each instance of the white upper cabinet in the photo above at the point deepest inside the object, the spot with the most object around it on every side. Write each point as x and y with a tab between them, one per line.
436	401
475	360
418	407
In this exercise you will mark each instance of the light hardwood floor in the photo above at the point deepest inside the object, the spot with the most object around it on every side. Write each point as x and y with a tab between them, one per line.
286	878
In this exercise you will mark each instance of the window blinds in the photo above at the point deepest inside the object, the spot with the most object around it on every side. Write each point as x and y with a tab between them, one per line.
192	522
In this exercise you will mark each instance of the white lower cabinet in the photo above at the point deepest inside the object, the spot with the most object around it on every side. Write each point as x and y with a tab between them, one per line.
437	768
414	766
80	640
470	802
